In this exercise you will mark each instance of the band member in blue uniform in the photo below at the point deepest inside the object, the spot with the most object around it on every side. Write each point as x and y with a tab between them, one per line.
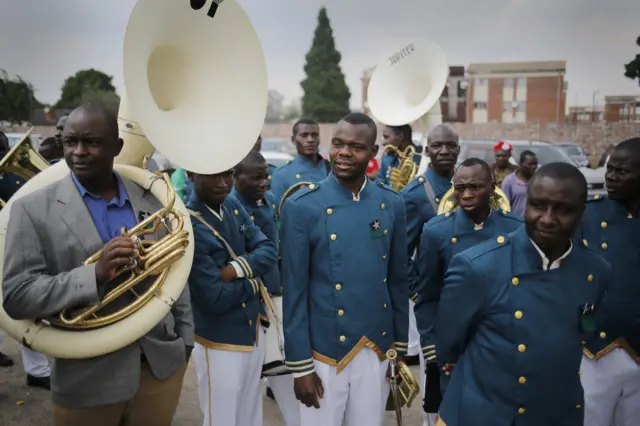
36	365
51	150
401	138
444	236
344	267
514	310
230	251
250	189
611	226
308	166
421	199
272	168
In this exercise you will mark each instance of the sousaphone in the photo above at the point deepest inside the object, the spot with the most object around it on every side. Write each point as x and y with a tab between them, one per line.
196	82
405	88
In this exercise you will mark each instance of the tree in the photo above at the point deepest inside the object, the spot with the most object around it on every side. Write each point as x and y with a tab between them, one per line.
16	99
326	95
274	107
82	84
292	112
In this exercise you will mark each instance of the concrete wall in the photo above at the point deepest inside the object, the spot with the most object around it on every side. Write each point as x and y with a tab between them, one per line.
594	137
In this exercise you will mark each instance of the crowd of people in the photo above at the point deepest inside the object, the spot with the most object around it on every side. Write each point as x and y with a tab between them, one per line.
520	317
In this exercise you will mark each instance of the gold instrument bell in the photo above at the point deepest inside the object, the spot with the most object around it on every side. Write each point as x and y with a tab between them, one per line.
407	168
403	392
449	203
23	160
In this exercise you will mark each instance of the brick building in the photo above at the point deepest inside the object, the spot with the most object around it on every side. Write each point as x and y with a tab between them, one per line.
582	114
452	101
622	109
516	92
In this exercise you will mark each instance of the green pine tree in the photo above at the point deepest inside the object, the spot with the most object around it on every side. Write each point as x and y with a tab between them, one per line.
326	95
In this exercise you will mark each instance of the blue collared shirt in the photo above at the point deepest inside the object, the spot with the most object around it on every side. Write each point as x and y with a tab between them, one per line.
109	217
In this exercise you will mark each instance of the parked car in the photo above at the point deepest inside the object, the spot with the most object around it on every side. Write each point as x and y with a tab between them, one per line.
575	151
14	138
278	145
545	151
277	158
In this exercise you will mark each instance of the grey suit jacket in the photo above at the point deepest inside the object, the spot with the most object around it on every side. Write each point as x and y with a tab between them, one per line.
50	233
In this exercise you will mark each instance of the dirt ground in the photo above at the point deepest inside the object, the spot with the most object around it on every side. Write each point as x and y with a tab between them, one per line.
21	405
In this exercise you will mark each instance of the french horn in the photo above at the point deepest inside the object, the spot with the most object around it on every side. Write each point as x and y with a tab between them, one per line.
200	100
403	391
498	200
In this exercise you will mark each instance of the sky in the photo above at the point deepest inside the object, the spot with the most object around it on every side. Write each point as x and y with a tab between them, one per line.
45	41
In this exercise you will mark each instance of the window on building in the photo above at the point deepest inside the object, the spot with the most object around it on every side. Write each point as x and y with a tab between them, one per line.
508	82
522	82
480	105
522	106
507	107
481	81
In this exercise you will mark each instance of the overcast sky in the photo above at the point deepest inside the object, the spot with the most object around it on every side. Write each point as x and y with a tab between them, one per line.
45	41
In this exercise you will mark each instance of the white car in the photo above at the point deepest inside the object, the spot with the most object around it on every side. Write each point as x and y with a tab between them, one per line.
277	158
14	138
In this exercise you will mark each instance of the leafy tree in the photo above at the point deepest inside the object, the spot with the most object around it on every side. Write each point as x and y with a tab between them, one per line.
16	99
84	83
326	95
632	69
110	100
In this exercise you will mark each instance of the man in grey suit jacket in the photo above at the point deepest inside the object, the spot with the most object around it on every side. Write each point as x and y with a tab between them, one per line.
57	228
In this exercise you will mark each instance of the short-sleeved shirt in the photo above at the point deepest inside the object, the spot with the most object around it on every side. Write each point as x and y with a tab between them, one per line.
516	192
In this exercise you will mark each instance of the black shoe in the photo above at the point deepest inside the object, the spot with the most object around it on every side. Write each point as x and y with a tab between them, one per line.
38	382
5	361
270	393
412	360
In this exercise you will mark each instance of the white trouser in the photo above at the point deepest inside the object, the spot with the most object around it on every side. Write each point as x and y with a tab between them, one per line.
358	395
229	385
282	388
611	390
414	336
35	363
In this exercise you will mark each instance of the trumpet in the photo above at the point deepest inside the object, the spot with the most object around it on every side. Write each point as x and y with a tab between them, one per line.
403	391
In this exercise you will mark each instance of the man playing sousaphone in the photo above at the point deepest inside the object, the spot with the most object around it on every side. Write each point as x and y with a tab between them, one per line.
397	142
55	229
474	221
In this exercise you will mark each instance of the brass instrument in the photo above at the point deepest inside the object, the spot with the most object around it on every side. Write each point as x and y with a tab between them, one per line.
289	192
403	392
499	201
407	168
23	160
154	260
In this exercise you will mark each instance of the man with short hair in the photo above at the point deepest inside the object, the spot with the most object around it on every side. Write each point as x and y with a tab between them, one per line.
250	190
344	267
611	227
51	150
514	310
516	184
399	137
473	222
308	166
231	252
502	167
421	199
53	230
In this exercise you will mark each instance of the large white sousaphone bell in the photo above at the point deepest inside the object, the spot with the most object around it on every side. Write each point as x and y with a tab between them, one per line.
196	87
407	84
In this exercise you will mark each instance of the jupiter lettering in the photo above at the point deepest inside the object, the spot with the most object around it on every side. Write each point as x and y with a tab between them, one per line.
397	57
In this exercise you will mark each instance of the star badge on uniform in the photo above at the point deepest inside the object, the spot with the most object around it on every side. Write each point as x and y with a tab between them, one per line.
142	216
376	229
246	230
587	320
259	203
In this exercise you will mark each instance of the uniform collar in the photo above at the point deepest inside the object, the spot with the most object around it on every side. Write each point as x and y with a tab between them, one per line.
545	260
436	179
464	224
334	183
308	163
120	200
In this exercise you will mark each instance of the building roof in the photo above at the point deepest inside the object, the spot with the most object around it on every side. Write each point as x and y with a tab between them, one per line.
622	98
517	67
